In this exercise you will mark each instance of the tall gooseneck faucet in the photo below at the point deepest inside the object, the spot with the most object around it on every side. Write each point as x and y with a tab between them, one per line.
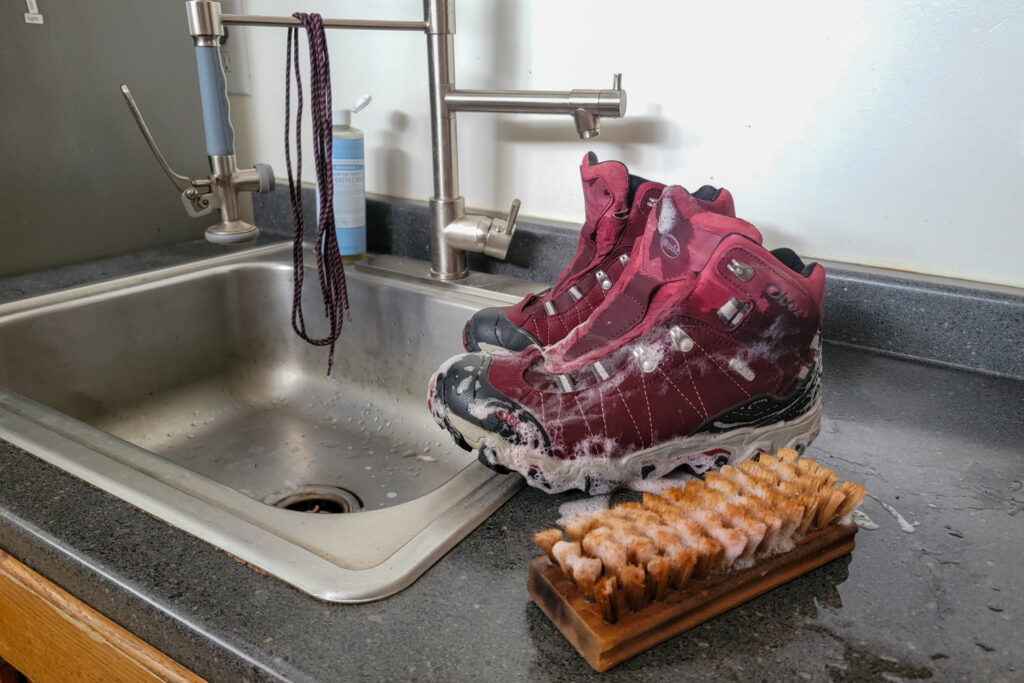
453	232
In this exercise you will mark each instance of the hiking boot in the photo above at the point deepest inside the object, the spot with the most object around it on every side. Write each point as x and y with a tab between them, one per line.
705	352
617	206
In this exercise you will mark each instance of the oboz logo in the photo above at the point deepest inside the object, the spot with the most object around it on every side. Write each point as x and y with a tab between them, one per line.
670	246
776	294
507	417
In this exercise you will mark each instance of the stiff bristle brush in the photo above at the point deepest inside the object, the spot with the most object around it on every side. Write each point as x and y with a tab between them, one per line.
626	559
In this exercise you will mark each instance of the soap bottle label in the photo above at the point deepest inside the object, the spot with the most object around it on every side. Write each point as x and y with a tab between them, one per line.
349	195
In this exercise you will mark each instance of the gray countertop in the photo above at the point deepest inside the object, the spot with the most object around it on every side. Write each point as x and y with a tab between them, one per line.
936	593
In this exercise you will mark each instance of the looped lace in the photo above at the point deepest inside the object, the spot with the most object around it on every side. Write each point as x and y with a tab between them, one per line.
330	269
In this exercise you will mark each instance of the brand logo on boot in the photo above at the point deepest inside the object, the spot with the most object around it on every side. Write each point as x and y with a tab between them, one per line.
670	246
507	417
776	294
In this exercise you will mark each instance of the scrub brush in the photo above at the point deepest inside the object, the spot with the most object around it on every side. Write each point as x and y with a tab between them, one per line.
638	573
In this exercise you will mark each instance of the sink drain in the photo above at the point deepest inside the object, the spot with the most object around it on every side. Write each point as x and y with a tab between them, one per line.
316	498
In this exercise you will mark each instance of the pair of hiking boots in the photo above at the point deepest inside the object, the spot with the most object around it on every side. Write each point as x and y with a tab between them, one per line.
672	339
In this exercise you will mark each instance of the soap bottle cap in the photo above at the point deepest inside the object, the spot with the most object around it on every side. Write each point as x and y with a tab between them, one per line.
343	117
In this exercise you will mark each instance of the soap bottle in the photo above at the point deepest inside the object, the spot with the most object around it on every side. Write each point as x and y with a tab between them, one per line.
349	178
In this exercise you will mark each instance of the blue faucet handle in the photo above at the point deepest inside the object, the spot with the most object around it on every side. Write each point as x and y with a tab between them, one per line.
213	91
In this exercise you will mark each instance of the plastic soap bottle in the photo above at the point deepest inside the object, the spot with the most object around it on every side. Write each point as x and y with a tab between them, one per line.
349	177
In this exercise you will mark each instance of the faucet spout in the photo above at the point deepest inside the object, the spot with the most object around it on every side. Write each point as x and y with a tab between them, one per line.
585	106
587	125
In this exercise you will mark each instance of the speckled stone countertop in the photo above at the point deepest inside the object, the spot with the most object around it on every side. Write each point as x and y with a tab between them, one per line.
934	592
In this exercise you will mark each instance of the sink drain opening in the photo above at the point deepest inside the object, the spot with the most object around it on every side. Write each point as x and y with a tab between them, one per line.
317	499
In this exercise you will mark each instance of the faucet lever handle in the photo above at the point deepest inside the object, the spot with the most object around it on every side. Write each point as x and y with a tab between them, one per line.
181	182
616	81
513	215
492	236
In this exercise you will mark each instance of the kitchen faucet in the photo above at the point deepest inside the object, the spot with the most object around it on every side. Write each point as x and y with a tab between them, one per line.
453	232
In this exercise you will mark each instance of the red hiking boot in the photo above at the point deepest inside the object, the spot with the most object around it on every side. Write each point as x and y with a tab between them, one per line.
705	352
617	206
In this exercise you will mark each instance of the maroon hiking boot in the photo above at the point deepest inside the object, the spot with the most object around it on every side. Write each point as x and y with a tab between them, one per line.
705	352
617	206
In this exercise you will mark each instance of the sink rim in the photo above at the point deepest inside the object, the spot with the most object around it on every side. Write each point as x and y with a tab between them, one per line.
260	535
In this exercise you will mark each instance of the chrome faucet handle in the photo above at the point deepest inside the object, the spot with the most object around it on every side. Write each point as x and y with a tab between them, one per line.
499	236
509	224
181	182
616	81
483	234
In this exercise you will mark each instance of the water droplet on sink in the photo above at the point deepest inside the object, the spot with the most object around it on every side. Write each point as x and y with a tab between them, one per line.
392	494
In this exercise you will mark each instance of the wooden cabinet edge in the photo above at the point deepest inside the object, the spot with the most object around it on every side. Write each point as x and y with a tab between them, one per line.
50	635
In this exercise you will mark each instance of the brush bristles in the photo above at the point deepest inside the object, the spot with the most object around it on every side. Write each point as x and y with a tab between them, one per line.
547	539
636	553
606	596
659	576
585	572
632	579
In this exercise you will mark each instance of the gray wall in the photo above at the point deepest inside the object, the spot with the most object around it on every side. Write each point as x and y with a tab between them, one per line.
77	181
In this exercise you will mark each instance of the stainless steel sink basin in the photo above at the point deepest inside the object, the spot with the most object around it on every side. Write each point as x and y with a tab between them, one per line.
185	392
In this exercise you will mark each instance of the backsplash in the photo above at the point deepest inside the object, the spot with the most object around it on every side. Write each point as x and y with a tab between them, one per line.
957	323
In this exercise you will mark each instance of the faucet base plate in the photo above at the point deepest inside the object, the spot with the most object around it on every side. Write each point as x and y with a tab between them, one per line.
231	232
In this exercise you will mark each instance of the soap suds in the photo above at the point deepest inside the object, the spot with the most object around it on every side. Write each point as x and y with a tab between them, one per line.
584	506
905	526
676	478
863	521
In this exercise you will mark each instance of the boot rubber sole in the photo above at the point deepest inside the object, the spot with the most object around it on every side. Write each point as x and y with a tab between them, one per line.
700	452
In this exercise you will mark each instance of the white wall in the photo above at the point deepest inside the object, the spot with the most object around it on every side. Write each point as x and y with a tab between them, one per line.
882	133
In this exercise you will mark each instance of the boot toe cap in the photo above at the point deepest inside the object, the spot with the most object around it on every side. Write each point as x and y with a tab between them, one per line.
473	408
490	329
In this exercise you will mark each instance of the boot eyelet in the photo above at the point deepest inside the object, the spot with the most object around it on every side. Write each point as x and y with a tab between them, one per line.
733	312
743	271
645	359
680	339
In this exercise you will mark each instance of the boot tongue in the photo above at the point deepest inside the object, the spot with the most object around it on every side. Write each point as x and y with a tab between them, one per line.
681	235
605	189
605	193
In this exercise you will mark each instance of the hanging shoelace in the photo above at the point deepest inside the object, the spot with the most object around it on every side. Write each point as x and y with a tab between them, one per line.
329	267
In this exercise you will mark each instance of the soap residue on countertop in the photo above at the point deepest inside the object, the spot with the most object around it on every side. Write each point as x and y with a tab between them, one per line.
863	521
905	526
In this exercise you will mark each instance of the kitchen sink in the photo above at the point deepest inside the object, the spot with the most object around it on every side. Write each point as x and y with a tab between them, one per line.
185	392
